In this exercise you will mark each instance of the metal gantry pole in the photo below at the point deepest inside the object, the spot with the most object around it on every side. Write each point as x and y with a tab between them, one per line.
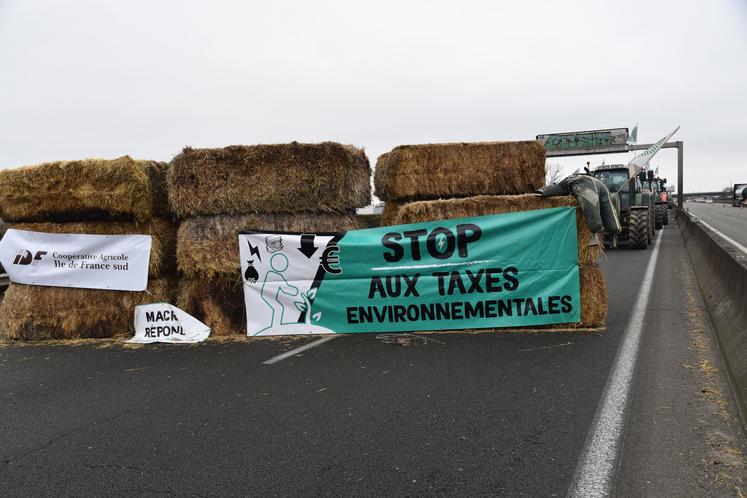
680	177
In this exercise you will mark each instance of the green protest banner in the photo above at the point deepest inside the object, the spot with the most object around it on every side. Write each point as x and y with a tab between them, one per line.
508	270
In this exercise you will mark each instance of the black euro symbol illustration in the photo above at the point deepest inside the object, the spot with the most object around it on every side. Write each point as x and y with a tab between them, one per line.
331	260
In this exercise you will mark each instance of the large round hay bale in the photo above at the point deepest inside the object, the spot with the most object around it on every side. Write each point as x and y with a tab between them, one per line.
280	178
418	212
90	189
31	312
163	233
433	171
208	246
219	304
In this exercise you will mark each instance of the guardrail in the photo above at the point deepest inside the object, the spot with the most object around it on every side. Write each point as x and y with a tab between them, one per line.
721	271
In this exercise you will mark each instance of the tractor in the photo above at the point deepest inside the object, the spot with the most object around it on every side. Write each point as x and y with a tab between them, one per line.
634	205
663	200
659	196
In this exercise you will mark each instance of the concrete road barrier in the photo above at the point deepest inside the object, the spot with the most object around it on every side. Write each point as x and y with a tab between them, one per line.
721	271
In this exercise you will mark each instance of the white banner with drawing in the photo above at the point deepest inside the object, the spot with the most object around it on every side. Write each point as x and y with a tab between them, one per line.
281	275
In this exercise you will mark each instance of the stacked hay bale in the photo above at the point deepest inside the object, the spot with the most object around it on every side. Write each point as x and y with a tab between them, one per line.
92	196
281	187
441	171
440	181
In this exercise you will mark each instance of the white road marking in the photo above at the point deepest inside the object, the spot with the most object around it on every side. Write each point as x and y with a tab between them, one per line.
299	349
596	468
725	237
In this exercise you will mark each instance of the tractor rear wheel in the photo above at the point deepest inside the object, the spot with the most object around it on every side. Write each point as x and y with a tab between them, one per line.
659	217
638	229
651	225
665	214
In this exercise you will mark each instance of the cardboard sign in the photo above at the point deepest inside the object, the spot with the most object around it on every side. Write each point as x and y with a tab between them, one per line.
506	270
162	322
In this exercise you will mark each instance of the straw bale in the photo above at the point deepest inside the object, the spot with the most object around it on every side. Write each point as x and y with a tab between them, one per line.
31	312
593	296
208	246
391	210
369	220
432	171
163	233
279	178
219	304
417	212
89	189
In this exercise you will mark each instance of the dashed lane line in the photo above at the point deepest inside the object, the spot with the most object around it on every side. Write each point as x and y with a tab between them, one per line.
299	349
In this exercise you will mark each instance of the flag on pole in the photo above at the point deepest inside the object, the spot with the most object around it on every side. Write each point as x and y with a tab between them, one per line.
633	137
639	163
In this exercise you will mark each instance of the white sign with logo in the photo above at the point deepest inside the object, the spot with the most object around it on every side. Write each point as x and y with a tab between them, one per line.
113	262
162	322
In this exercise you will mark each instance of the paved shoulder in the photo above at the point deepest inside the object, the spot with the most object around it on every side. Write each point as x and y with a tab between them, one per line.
684	436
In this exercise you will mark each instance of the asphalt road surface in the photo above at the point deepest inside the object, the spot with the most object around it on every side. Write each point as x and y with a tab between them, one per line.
728	220
449	414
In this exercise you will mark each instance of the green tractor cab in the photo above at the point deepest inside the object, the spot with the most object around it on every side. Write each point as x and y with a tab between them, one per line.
634	205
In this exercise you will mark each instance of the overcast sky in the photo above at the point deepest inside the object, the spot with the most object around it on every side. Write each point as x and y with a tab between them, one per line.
145	78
